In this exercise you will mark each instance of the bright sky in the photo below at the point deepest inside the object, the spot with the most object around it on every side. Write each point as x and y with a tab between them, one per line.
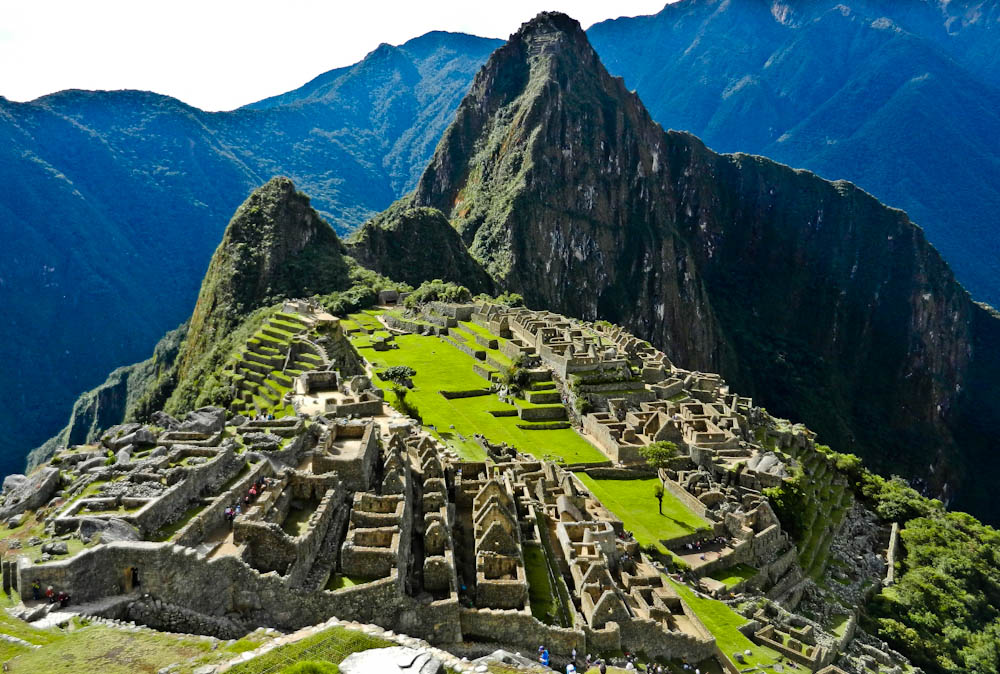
221	54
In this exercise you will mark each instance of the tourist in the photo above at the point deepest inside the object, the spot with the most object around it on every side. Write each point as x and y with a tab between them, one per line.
36	590
63	599
50	595
545	657
603	669
573	654
571	668
586	662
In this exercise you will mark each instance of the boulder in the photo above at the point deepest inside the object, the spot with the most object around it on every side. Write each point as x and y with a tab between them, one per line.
392	660
140	438
56	548
12	482
238	420
207	420
124	456
30	493
266	442
158	452
111	529
15	521
165	420
112	437
96	462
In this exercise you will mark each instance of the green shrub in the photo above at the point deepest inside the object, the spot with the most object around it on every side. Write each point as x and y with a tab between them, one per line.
437	291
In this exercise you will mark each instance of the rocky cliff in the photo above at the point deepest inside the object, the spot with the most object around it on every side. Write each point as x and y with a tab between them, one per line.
811	295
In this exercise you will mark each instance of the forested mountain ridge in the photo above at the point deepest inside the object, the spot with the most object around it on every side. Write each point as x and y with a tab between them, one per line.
903	99
113	202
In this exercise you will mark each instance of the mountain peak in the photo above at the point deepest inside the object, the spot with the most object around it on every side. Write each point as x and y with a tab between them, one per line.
547	24
275	246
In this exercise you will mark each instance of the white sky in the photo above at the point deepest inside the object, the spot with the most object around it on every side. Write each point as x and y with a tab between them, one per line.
221	54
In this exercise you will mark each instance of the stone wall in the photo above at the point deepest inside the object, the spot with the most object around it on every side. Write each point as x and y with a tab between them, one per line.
213	515
354	470
178	573
520	628
685	497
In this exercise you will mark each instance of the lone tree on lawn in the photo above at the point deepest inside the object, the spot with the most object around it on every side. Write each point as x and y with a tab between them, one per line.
658	493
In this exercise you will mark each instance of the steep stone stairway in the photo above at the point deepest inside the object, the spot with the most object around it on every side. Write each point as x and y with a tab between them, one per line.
263	370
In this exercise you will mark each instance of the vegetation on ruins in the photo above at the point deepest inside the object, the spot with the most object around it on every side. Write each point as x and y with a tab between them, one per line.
659	454
437	291
398	373
944	608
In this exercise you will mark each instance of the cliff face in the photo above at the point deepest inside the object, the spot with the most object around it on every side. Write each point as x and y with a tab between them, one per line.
823	303
554	176
106	405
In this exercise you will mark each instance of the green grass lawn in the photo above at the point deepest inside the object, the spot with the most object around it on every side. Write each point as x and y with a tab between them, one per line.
96	649
724	624
442	367
734	575
331	645
634	504
540	591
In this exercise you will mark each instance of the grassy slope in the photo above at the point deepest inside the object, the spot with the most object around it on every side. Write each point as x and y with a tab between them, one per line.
723	622
633	502
103	650
441	367
331	645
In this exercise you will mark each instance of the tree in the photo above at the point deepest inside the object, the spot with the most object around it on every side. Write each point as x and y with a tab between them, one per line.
398	374
658	493
659	454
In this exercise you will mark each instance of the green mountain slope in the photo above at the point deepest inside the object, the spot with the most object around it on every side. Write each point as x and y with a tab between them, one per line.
114	201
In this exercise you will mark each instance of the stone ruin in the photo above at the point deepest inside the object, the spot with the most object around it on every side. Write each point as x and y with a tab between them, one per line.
361	515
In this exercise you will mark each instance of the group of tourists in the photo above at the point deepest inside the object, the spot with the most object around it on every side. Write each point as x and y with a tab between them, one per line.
264	417
259	485
632	664
51	596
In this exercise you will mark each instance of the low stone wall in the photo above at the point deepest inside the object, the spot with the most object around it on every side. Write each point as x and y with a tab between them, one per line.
556	412
486	342
684	496
520	628
213	516
166	617
483	371
615	473
478	354
472	393
648	636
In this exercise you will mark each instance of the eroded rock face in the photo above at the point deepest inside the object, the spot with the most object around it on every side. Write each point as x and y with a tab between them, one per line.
392	660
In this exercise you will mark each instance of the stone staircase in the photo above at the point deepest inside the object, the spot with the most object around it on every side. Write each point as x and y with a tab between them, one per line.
263	371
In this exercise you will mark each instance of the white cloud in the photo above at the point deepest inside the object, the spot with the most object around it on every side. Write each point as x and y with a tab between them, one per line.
220	54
